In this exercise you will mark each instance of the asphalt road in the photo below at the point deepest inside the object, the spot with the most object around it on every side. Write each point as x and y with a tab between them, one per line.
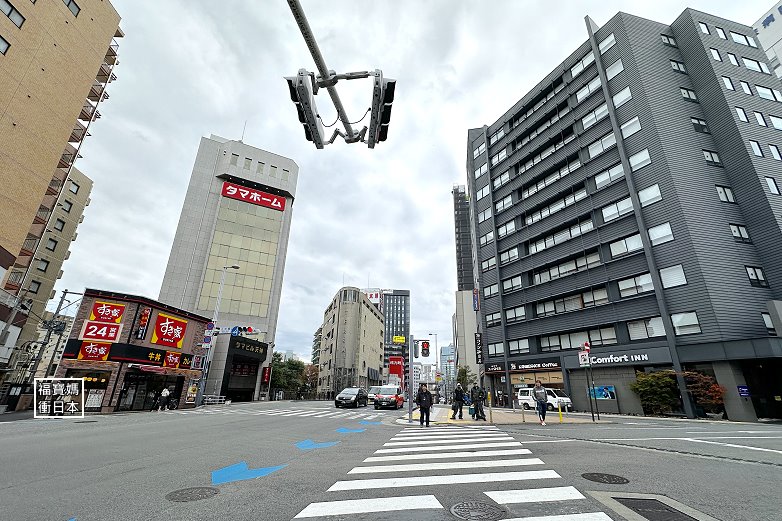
121	467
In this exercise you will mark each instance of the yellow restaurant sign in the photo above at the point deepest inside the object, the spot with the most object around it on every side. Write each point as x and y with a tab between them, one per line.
399	340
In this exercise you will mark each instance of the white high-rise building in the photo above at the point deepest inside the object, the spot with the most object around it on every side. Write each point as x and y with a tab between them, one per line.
769	31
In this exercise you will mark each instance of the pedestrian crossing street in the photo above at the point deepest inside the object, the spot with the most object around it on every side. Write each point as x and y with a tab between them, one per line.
301	413
416	471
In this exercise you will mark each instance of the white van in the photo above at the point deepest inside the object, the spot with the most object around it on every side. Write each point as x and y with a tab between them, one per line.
555	396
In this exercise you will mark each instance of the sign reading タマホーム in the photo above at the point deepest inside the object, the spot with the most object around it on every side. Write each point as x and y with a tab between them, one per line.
253	196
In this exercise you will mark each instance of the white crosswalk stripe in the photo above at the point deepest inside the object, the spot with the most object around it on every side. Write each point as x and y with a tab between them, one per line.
308	413
438	458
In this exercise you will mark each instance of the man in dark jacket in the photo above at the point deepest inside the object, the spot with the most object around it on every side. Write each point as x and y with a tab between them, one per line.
424	401
478	396
458	402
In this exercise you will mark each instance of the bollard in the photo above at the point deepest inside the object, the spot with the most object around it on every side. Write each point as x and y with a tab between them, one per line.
559	406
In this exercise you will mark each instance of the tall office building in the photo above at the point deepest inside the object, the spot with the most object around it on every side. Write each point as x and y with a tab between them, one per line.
237	212
316	339
396	309
447	370
769	31
461	216
351	352
632	200
56	59
465	326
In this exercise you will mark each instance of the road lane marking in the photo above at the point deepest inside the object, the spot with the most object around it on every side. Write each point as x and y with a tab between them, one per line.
448	455
733	445
589	516
479	464
471	439
424	434
450	447
534	495
416	481
452	436
362	506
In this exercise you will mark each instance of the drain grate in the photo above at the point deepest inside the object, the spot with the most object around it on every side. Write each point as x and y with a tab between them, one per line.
608	479
191	494
477	511
654	510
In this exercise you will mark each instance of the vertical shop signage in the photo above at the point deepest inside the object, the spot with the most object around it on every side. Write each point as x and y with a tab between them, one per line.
143	322
266	374
479	348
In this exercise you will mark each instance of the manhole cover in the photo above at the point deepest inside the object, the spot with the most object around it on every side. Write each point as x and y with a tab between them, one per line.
477	511
609	479
191	494
654	510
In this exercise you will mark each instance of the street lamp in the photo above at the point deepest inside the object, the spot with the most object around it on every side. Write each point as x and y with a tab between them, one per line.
213	345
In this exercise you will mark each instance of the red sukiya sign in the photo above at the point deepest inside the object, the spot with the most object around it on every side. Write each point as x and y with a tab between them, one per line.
107	312
250	195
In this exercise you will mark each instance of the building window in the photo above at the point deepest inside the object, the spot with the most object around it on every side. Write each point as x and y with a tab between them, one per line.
488	264
673	276
614	69
575	302
732	59
483	192
668	40
491	291
566	268
688	94
728	83
712	158
635	285
646	328
496	136
760	119
617	209
700	125
650	195
501	180
660	234
486	239
626	246
499	156
259	168
478	151
775	152
51	244
34	286
247	163
756	276
560	236
715	54
776	122
725	194
272	171
234	159
589	88
607	43
72	6
678	66
511	284
594	116
494	319
59	224
515	314
622	97
509	255
481	170
721	33
517	347
554	176
743	40
745	87
639	160
765	93
43	265
756	148
601	145
555	207
606	177
74	188
769	324
755	65
506	229
484	215
496	349
685	323
504	204
740	233
631	127
772	185
704	28
11	12
742	115
4	45
582	64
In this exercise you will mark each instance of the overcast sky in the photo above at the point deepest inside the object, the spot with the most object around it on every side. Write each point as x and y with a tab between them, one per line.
377	218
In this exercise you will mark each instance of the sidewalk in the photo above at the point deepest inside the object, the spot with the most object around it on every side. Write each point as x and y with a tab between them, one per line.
441	415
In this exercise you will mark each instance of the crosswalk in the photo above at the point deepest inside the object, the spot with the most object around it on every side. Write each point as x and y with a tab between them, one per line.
301	413
494	467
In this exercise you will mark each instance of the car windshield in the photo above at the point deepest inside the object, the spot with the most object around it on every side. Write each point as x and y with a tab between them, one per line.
560	393
387	390
349	391
374	390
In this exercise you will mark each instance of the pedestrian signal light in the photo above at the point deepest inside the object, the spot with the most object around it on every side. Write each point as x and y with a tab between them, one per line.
302	95
425	348
382	101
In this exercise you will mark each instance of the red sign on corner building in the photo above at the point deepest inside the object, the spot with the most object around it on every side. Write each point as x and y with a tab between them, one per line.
252	196
169	331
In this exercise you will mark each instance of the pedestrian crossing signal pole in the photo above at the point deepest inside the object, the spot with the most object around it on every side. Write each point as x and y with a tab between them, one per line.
408	380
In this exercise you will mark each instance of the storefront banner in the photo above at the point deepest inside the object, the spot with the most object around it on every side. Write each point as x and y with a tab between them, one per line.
96	351
169	331
545	365
495	367
185	361
622	357
100	331
479	348
249	345
143	322
197	363
266	374
253	196
107	312
171	359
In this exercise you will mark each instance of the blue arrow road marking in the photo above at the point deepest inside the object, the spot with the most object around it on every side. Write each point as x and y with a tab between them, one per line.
309	444
343	430
240	472
364	422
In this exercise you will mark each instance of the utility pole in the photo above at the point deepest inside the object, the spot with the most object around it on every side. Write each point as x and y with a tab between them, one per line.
51	326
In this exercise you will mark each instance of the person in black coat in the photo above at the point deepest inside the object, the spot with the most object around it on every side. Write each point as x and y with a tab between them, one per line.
478	395
458	401
424	401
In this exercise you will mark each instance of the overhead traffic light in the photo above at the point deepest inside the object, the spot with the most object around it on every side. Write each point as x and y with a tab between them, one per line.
425	348
301	90
382	98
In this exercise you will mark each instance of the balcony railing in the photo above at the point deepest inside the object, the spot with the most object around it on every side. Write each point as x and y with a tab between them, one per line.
87	111
54	187
42	214
30	244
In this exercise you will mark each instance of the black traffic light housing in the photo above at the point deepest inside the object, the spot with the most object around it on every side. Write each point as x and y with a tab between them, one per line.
425	348
382	100
302	95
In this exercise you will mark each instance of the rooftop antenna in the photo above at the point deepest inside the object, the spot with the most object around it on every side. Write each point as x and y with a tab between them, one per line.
243	129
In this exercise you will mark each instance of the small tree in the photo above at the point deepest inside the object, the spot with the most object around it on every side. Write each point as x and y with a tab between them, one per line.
466	377
658	391
705	390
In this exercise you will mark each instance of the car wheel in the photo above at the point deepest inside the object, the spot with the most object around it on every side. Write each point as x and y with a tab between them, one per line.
526	406
550	407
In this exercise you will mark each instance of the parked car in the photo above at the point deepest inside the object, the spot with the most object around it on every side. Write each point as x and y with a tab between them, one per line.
372	392
351	397
389	396
555	396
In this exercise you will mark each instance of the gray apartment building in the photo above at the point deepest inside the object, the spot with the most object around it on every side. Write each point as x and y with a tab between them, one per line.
461	216
633	200
396	310
235	223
